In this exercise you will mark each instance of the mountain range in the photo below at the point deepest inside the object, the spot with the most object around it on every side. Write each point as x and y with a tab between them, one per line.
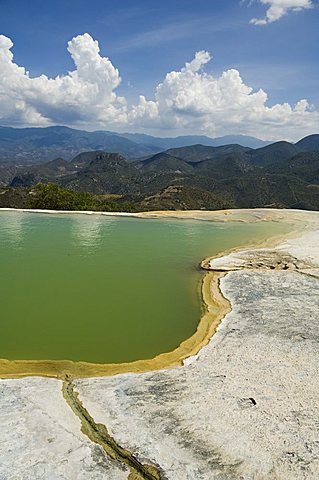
279	175
39	145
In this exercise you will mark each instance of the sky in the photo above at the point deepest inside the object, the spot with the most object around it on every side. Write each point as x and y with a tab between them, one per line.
214	67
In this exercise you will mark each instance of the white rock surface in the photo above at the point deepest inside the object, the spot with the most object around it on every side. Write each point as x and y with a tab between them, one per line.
40	437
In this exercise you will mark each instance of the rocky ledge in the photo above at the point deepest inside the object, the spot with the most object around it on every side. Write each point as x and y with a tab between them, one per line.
245	407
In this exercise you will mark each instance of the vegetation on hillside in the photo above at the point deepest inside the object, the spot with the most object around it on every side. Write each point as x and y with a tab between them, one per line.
53	197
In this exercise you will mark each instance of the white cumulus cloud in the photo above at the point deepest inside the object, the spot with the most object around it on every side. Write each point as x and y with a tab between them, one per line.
191	100
187	101
87	93
278	8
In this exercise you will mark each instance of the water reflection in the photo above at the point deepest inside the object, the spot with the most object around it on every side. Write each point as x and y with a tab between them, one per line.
88	230
192	230
11	228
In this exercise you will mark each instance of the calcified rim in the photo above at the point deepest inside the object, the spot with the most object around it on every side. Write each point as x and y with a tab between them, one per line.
215	306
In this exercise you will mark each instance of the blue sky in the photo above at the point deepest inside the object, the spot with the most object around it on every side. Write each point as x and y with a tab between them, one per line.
145	40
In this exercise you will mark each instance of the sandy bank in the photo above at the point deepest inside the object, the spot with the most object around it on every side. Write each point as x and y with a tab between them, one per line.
241	215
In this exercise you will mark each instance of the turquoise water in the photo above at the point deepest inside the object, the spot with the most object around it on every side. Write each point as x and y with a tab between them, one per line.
105	289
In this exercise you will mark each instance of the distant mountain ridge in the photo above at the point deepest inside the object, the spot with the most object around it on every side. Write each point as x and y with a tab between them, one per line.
309	143
39	145
186	140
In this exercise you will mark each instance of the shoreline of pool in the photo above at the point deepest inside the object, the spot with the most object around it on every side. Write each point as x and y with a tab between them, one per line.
216	306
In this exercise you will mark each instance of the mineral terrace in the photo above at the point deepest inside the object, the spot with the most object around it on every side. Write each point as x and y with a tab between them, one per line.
246	407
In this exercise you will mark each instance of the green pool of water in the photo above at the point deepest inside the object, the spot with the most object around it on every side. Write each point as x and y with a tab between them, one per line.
105	289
